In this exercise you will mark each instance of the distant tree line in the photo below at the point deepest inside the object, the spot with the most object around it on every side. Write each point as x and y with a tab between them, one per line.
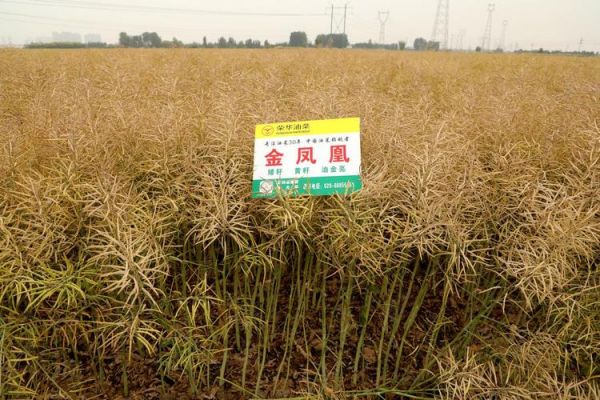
544	51
231	43
297	39
421	44
153	40
67	45
337	40
147	40
371	45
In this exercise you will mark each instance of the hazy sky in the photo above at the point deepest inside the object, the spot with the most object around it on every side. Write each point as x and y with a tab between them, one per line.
552	24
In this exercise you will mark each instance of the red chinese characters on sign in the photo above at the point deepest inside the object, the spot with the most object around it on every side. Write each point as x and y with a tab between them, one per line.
338	154
305	154
274	158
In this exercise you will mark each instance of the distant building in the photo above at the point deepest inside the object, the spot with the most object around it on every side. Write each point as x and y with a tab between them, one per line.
92	38
6	41
66	37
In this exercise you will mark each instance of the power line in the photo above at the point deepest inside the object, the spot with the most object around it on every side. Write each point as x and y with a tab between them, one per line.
382	16
345	14
503	36
487	35
331	24
139	8
338	21
82	24
441	24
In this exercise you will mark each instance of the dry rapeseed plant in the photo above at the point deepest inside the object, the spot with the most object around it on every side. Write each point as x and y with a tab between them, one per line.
133	261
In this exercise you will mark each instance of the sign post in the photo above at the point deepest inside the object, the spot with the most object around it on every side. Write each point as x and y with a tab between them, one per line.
315	158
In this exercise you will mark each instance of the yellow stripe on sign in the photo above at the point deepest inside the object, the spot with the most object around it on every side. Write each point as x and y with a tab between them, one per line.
301	128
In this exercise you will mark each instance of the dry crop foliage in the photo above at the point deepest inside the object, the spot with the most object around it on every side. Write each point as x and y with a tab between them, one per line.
134	263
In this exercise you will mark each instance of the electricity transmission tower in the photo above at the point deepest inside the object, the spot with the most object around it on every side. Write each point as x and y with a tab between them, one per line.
580	44
440	24
459	39
503	37
382	16
338	23
487	35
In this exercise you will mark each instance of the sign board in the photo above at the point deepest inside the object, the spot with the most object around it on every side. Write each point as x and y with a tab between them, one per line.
314	158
